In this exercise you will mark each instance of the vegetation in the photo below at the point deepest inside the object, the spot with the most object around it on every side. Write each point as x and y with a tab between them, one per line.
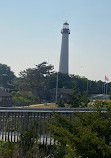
28	145
35	79
6	76
41	79
83	135
6	149
88	135
77	99
25	98
102	104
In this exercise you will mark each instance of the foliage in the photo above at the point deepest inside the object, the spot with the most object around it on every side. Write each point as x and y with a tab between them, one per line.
41	79
102	103
26	147
82	135
6	76
99	103
29	141
77	99
25	97
6	149
61	103
88	135
33	79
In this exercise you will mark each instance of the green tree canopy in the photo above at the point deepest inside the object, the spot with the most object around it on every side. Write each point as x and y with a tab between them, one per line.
34	79
88	135
24	97
42	78
77	99
6	76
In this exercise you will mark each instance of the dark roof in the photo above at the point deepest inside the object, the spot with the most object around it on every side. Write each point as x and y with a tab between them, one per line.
4	93
66	23
62	90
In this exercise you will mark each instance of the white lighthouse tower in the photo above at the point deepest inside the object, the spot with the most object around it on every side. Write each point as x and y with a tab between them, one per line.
64	56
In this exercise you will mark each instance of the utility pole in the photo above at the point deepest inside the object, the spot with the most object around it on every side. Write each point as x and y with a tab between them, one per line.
56	89
87	87
106	89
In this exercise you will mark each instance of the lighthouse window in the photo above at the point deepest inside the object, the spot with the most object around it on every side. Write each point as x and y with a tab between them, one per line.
65	26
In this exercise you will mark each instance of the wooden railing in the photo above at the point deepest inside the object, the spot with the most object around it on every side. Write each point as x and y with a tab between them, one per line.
12	120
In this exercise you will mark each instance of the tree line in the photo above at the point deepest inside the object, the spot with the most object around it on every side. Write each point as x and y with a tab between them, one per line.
42	78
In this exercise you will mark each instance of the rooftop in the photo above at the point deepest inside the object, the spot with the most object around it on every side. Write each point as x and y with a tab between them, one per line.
4	93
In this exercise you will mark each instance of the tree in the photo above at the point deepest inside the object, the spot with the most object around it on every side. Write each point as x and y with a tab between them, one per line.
24	97
77	99
28	144
26	147
87	135
34	79
61	103
6	149
6	76
42	78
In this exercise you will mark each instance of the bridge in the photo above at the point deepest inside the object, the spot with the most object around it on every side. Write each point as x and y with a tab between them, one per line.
13	119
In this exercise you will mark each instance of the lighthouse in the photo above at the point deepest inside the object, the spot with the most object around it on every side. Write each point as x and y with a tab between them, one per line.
64	56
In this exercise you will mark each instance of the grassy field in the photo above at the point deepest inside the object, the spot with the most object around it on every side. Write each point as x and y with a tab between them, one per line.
46	105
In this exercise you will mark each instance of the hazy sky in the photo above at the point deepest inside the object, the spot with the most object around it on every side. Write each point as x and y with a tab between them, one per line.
30	34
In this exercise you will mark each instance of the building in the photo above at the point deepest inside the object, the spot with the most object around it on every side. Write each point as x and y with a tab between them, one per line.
64	56
61	93
5	98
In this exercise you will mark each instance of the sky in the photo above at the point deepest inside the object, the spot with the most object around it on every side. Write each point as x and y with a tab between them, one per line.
30	34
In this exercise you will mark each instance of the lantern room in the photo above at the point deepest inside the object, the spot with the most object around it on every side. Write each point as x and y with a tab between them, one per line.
65	28
65	25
